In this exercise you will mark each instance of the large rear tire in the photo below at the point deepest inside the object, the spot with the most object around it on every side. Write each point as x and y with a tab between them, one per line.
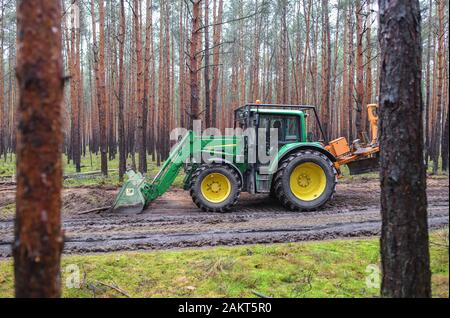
305	181
215	188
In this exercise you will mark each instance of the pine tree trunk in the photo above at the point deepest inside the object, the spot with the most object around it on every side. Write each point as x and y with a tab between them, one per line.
194	62
344	103
359	70
440	78
444	146
99	65
102	81
351	74
206	68
139	97
38	237
369	81
427	85
326	64
2	97
404	235
147	106
121	119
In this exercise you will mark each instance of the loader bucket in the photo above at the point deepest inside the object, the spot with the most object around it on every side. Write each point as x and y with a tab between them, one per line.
130	199
364	166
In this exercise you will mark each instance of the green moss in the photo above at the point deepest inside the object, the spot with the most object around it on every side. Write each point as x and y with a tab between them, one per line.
311	269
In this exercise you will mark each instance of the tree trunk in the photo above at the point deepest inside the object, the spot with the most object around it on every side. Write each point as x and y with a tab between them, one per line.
38	237
181	67
344	103
194	62
427	85
102	81
444	146
351	74
2	98
74	58
440	78
326	64
369	82
147	85
206	69
121	123
359	70
404	235
99	65
216	60
139	94
335	110
284	68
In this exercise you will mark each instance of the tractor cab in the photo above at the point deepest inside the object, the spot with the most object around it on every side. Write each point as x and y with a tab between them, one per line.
293	126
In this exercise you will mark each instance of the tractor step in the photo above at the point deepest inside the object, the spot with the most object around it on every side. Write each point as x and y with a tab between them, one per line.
263	183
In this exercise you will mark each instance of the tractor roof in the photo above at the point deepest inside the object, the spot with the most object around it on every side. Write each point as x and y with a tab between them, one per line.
243	112
281	109
276	107
277	111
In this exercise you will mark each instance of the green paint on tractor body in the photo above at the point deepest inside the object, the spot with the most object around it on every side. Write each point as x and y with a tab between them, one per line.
190	152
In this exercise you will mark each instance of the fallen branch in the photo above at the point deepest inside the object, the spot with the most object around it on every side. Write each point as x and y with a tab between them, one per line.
260	295
80	175
116	288
95	210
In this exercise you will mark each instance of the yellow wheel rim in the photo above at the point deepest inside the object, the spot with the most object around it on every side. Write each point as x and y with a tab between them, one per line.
308	181
215	187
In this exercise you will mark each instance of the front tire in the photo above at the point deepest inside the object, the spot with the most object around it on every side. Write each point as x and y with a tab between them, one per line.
305	180
215	188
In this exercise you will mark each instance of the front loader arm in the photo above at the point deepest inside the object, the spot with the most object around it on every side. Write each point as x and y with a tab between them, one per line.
170	169
137	192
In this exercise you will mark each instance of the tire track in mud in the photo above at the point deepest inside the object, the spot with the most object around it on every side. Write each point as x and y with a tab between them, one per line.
108	233
174	222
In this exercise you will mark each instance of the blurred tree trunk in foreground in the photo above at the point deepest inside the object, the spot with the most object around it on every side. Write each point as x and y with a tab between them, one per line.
38	237
404	234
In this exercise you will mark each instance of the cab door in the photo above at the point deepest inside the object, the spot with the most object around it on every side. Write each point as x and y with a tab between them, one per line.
288	131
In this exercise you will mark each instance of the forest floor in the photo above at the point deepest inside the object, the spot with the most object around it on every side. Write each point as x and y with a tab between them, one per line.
331	268
173	221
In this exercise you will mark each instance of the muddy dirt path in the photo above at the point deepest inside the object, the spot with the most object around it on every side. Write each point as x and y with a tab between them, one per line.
173	221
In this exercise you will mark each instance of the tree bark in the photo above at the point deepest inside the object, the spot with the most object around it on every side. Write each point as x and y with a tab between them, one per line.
75	104
38	238
121	119
369	81
216	60
206	69
444	146
440	78
139	94
194	62
2	96
99	65
427	85
351	74
148	87
103	102
359	70
404	235
326	64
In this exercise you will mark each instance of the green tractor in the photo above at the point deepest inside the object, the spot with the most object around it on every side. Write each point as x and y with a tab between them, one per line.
302	174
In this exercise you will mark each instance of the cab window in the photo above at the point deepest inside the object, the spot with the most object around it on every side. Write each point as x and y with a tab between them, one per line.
287	125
